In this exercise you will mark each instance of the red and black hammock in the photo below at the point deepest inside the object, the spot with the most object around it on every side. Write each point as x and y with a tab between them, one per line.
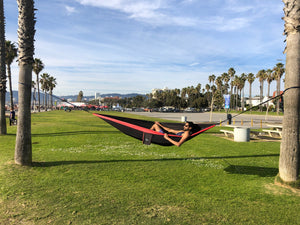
140	129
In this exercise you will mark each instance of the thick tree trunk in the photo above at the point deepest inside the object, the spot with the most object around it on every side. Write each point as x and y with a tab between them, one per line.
289	150
26	31
23	150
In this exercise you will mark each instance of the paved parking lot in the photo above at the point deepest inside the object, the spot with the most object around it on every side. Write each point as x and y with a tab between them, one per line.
216	118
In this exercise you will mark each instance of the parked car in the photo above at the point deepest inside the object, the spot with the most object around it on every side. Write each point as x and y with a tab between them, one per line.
189	109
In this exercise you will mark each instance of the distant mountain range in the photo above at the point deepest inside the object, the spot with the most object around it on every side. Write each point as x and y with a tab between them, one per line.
91	97
72	97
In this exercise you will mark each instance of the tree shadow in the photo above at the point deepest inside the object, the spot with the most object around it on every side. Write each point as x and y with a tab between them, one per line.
252	170
229	169
72	133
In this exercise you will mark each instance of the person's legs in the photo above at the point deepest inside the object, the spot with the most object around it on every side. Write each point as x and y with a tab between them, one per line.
155	127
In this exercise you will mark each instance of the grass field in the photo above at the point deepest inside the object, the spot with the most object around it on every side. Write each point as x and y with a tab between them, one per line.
87	172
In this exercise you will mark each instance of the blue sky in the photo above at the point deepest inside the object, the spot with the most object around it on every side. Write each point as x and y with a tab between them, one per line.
128	46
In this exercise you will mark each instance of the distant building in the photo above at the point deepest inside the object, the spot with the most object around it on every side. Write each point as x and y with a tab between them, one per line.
72	104
112	98
97	95
256	101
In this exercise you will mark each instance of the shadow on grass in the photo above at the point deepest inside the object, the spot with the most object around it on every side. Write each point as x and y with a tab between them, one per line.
235	168
252	170
72	133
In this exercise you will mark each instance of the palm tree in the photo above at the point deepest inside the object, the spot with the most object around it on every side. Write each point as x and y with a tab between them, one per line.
242	85
211	79
33	85
250	78
198	88
231	73
226	79
80	96
207	87
213	91
45	87
52	85
278	71
269	79
38	66
219	83
26	31
11	52
289	160
183	93
3	129
236	83
261	75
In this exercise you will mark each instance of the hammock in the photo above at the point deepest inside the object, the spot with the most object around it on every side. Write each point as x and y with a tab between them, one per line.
140	129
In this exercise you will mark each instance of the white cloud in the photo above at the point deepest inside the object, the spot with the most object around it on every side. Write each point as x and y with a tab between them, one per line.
70	10
194	64
132	7
232	24
149	11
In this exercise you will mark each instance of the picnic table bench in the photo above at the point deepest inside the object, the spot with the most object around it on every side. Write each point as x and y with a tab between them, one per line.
240	134
274	129
270	132
226	132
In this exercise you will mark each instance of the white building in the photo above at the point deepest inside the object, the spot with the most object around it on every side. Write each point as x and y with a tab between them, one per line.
97	95
256	101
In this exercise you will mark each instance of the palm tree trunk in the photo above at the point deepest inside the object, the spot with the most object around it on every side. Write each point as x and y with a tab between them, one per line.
211	108
289	150
23	149
250	95
10	88
26	31
278	93
45	99
261	95
51	100
38	90
34	98
243	100
3	129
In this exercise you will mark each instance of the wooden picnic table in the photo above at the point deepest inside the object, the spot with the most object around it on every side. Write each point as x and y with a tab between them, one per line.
275	126
274	129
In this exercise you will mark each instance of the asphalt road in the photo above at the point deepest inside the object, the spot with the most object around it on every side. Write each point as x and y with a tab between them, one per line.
238	120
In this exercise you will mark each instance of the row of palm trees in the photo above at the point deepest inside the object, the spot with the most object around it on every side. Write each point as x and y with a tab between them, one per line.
213	92
47	82
221	84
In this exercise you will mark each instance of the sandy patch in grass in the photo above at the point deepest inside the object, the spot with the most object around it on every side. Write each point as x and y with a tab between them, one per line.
206	163
258	138
164	211
279	189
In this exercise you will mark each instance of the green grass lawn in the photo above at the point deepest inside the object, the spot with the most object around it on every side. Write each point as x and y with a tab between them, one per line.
87	172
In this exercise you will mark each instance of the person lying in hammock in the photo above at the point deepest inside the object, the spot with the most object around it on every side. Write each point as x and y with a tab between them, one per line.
185	132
